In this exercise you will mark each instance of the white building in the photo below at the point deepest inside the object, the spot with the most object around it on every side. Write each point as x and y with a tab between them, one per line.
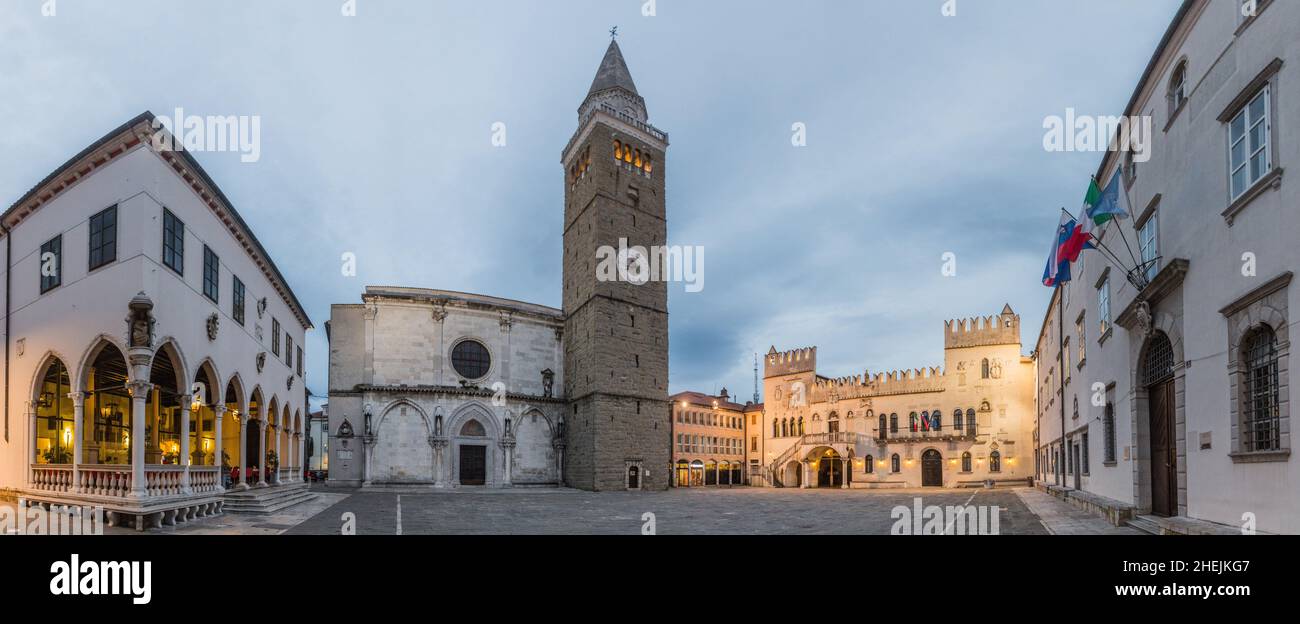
149	339
1173	393
445	389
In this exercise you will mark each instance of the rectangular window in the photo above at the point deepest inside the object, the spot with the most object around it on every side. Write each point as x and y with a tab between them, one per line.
1080	328
51	263
1084	450
173	251
1108	432
275	337
211	273
753	443
1149	245
299	362
288	350
237	300
103	238
1103	307
1248	149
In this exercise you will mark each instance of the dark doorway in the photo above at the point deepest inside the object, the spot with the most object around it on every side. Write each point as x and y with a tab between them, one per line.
1164	463
931	469
633	478
830	471
473	465
253	453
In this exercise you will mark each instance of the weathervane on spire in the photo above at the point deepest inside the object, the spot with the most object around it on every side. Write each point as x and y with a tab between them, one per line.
613	33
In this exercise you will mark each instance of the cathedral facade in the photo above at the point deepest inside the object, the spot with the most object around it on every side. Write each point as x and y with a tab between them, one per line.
968	424
454	389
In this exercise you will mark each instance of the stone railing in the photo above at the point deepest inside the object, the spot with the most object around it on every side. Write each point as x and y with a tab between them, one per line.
163	480
203	479
52	477
105	479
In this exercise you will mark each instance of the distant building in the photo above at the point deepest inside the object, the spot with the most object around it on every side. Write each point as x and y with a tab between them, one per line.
966	424
709	439
1171	396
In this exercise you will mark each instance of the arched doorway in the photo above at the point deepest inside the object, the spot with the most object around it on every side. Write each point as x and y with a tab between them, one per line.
830	469
54	427
792	474
697	473
109	403
253	439
1158	379
399	456
163	408
473	457
683	474
633	478
931	469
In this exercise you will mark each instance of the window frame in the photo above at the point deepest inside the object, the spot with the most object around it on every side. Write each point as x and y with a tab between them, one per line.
48	283
97	256
1150	243
1250	151
173	242
237	299
275	337
1103	307
211	275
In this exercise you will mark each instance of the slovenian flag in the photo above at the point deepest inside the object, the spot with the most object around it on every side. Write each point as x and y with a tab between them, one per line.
1057	270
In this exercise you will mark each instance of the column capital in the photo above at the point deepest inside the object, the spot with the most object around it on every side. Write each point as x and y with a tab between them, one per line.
78	398
186	401
219	409
138	388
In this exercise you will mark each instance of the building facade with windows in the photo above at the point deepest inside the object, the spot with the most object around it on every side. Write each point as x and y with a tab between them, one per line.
445	389
966	424
140	368
709	442
584	390
1171	395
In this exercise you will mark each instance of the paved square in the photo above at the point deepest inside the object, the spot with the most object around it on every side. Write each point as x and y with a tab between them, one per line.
739	511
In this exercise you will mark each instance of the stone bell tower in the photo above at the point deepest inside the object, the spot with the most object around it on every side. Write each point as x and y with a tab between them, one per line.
615	330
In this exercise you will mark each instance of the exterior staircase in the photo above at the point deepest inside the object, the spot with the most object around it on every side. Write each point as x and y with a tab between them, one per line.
268	499
1145	524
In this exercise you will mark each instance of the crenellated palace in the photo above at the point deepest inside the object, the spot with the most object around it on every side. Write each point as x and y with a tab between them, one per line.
966	424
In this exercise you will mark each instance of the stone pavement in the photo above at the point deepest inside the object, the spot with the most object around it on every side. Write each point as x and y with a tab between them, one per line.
737	511
1062	518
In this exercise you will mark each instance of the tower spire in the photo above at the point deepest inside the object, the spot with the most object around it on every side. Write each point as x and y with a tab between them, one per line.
755	379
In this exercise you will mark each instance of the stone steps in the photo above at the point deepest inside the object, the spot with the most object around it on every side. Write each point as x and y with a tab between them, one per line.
1146	525
267	500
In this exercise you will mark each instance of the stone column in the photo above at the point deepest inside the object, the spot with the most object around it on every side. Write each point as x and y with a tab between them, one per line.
508	449
261	447
243	451
219	414
807	471
844	479
558	445
139	393
78	418
279	453
367	447
30	412
184	459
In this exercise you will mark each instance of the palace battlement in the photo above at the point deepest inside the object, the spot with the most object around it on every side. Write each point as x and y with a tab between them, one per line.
794	361
1000	329
928	379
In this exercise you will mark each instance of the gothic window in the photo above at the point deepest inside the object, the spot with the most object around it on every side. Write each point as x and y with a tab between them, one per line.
911	422
775	429
785	428
618	150
883	432
473	429
471	359
893	423
894	464
925	421
1261	416
936	421
956	419
800	425
984	369
965	462
995	462
870	464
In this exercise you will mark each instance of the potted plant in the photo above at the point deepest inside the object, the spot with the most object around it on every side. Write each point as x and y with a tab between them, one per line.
58	456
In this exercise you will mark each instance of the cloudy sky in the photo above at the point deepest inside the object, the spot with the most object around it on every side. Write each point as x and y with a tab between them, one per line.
924	136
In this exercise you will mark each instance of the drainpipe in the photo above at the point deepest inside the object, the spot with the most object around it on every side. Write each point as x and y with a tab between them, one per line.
9	245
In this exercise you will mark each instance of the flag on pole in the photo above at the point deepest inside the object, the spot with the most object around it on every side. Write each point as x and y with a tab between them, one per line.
1057	270
1108	204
